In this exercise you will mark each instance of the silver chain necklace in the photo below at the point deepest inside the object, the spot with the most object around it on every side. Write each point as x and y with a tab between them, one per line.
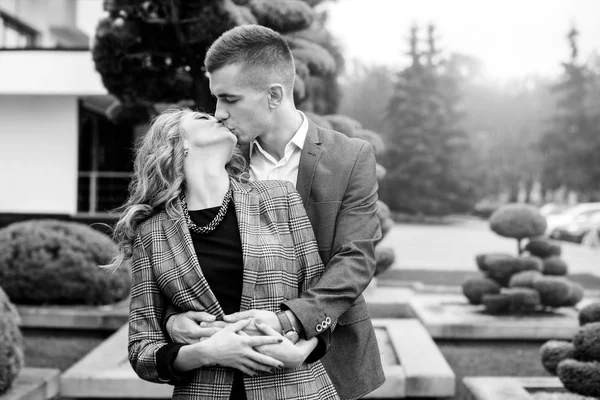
216	220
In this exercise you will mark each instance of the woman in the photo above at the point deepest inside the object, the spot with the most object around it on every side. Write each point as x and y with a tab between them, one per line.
204	239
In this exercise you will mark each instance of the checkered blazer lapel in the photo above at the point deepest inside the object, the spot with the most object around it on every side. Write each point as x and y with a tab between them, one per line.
194	287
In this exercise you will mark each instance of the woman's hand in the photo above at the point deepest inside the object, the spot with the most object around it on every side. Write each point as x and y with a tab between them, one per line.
291	355
229	349
192	326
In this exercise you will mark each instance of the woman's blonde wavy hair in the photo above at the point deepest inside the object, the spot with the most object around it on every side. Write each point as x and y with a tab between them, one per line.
158	179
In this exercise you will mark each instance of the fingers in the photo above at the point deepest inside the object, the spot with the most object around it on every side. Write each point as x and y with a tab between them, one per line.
200	316
263	362
238	316
214	324
266	329
254	341
237	326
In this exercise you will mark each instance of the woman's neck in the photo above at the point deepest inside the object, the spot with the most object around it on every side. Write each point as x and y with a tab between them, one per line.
205	187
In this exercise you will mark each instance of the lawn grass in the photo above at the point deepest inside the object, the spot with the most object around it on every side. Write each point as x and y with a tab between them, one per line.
48	348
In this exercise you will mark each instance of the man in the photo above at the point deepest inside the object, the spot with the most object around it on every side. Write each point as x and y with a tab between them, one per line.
251	73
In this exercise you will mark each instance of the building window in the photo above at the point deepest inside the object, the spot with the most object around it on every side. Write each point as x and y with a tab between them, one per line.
15	34
105	163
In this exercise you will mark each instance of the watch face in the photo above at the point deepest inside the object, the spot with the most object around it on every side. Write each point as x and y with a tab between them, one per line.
292	336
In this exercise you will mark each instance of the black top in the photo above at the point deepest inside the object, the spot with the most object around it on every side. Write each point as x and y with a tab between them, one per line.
221	260
220	256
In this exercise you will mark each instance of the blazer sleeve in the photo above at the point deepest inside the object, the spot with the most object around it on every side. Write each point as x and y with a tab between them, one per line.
306	252
150	354
352	264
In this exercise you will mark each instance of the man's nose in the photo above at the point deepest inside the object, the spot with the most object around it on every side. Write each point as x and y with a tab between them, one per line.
220	113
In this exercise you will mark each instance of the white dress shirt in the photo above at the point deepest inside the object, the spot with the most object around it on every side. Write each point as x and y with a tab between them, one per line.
264	167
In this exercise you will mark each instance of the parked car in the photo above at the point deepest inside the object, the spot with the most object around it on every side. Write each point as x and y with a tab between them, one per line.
573	223
552	209
592	237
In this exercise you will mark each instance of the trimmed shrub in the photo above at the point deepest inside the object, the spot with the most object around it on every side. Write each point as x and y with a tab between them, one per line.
501	267
475	288
553	352
524	279
529	263
385	258
522	300
555	291
282	16
518	221
575	296
554	265
11	343
380	171
587	342
383	211
386	226
543	248
496	303
56	262
342	123
589	314
580	377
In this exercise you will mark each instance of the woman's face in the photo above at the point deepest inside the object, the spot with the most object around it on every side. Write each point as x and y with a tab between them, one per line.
204	131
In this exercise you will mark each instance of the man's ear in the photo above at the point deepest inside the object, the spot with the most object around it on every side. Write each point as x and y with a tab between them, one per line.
276	94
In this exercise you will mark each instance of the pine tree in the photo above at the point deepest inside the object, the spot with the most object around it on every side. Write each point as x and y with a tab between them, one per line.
570	146
426	159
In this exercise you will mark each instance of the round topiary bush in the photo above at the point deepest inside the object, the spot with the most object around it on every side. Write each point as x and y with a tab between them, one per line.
529	263
475	288
11	343
499	267
589	314
581	377
518	221
524	279
553	352
384	257
554	265
555	291
587	342
543	248
522	300
56	262
496	303
575	296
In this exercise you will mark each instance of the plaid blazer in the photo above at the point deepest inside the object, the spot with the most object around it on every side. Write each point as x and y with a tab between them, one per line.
281	260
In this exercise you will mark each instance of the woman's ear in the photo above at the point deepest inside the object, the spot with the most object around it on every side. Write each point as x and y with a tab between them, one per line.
276	94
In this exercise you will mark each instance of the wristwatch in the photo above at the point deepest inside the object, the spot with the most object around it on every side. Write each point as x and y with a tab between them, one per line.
287	328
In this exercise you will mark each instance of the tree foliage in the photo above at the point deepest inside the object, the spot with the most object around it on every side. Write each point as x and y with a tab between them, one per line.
152	51
428	151
571	145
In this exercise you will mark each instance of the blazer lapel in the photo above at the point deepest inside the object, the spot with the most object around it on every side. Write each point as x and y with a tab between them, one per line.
248	216
194	288
311	153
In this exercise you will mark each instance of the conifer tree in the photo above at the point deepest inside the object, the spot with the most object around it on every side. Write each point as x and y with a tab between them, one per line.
570	146
427	148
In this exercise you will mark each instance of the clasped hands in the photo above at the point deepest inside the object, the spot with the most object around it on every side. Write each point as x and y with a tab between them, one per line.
194	326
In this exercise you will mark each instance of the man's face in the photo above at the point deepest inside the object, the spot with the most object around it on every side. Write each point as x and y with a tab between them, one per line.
240	107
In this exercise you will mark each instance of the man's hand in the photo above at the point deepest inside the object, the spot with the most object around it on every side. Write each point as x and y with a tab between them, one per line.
266	317
291	355
192	326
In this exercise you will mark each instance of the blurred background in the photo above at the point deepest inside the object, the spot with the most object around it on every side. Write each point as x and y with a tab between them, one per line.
470	104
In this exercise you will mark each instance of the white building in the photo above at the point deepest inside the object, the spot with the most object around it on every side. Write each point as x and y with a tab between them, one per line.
59	154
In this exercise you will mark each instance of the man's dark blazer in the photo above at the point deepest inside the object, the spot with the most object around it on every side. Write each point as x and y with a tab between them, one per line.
338	185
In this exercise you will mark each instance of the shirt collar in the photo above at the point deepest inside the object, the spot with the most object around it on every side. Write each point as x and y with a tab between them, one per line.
298	139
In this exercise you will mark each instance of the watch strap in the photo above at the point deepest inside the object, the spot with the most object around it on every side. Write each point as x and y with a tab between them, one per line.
284	321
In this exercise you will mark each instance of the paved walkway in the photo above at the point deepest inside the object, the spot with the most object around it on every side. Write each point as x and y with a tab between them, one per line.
453	247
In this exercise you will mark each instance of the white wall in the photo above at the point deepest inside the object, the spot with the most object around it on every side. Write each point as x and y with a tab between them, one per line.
38	154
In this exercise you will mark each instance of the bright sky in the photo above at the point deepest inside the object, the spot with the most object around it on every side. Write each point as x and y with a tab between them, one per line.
512	37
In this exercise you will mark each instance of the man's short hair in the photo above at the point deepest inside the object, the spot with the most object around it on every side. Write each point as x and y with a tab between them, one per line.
264	55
